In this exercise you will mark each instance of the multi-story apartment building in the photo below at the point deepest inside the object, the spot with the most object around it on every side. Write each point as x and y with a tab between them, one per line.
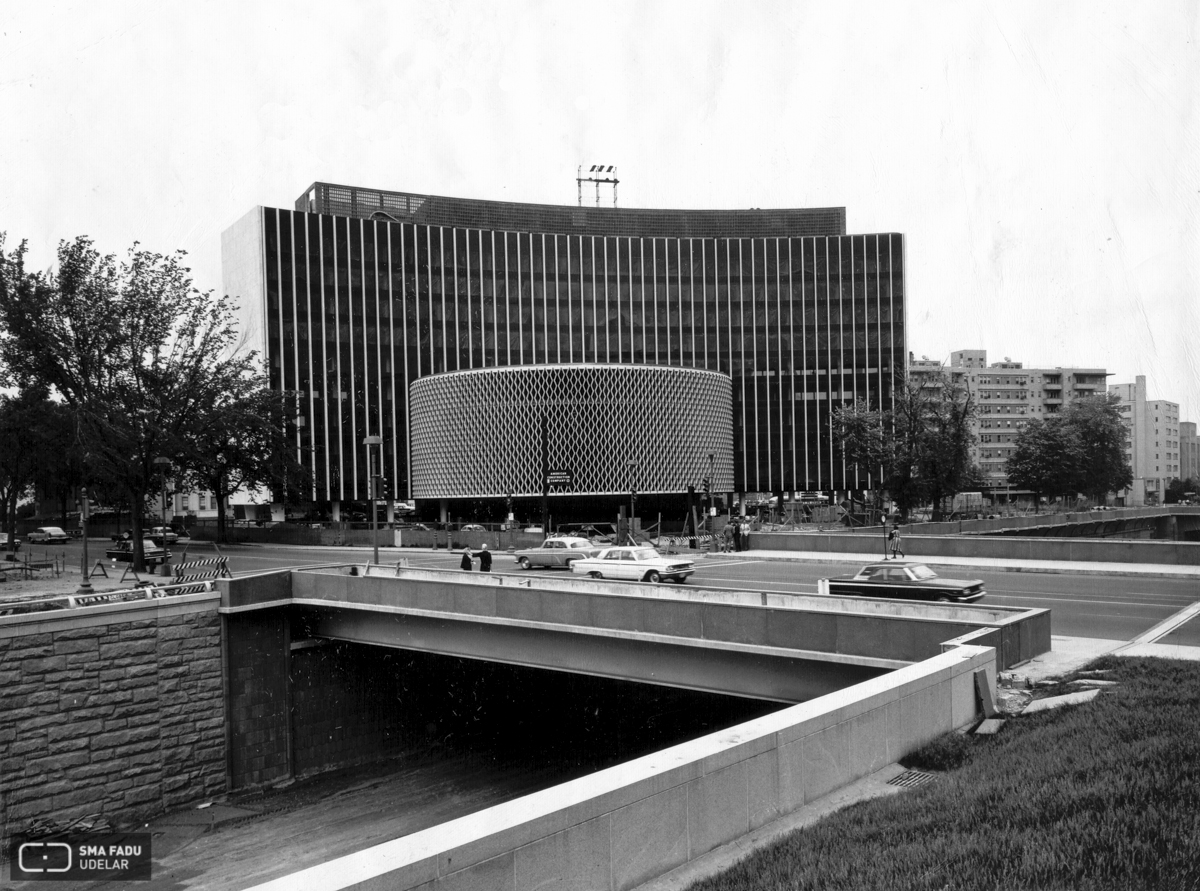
1152	442
1007	395
1189	451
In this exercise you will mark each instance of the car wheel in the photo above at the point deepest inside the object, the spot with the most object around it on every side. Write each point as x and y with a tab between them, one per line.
523	562
595	575
680	581
943	598
653	577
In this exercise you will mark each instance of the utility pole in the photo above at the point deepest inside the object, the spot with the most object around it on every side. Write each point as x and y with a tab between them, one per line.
545	477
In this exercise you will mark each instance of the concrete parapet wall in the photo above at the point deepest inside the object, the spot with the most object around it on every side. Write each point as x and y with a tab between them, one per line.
999	524
930	547
620	827
853	627
113	709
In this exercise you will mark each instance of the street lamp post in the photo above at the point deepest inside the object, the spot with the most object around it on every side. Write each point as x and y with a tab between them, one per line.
632	498
709	490
369	441
164	466
85	587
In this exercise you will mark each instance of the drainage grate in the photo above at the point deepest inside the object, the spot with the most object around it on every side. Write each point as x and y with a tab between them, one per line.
910	779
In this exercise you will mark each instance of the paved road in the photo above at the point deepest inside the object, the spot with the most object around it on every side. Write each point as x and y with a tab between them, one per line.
1108	607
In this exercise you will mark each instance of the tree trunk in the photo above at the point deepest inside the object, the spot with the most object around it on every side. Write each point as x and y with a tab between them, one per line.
10	517
217	493
137	510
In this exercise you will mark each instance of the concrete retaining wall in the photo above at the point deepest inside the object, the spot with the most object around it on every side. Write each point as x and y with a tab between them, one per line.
930	547
114	709
620	827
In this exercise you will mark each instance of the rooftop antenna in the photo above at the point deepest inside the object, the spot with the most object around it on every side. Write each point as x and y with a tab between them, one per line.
597	173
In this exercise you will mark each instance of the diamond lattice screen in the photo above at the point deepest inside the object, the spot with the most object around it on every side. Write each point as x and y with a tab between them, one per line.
478	433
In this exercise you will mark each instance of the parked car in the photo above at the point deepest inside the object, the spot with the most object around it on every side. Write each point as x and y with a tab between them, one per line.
556	552
122	552
46	535
634	564
905	581
163	536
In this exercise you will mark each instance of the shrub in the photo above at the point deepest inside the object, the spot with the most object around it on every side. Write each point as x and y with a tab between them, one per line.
945	753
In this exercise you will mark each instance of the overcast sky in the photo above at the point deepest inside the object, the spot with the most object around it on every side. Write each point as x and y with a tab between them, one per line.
1041	158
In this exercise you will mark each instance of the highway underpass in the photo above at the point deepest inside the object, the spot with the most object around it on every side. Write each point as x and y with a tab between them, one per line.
872	679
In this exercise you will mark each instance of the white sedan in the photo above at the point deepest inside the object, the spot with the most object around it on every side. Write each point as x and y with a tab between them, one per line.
635	564
47	535
556	552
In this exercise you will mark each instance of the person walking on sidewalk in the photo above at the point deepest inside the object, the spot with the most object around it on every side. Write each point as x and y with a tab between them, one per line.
737	535
485	559
894	542
466	560
727	538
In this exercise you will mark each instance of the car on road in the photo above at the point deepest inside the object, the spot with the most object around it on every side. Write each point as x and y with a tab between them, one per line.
122	552
639	564
899	580
472	527
46	535
163	535
552	552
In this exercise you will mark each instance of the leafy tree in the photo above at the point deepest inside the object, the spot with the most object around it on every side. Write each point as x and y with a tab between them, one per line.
919	449
1104	467
1078	450
131	347
23	436
60	463
866	445
244	444
944	460
1177	489
1046	459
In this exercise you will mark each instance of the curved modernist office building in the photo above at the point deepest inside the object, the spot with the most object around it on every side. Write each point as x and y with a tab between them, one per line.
359	298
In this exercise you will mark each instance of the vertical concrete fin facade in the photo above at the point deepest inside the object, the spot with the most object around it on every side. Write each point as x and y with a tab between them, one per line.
358	308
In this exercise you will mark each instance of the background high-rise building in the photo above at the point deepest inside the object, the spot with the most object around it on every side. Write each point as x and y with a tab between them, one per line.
1007	395
1152	442
358	293
1189	451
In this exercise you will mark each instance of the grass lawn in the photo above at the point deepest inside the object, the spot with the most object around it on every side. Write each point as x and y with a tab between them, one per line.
1104	795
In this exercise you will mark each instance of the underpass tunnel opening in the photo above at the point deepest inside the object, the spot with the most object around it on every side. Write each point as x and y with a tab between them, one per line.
354	702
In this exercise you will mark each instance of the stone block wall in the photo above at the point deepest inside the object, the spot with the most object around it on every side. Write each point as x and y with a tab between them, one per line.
114	710
257	649
344	705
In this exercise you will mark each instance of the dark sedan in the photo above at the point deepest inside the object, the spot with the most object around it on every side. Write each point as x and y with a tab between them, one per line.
904	581
122	552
